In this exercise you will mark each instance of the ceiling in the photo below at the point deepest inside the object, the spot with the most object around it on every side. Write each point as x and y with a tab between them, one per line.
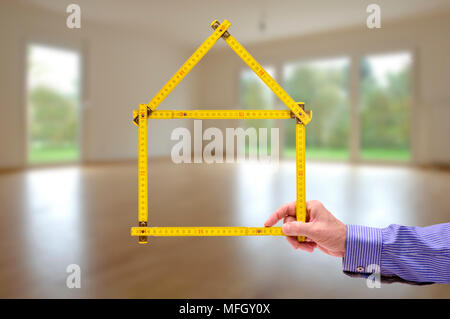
179	20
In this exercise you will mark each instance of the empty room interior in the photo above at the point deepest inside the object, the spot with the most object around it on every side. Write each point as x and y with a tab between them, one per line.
377	147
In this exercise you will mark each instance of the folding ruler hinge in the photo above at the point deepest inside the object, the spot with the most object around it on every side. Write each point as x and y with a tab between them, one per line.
298	120
215	24
136	115
143	239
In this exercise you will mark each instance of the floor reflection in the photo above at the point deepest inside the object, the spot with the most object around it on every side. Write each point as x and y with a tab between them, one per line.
50	218
53	223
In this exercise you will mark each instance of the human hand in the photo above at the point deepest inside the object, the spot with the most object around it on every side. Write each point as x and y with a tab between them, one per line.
322	230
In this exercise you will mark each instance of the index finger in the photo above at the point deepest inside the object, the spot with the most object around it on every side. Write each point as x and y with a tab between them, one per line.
280	213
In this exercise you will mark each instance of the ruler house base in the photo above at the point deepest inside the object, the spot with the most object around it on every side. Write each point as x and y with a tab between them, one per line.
148	111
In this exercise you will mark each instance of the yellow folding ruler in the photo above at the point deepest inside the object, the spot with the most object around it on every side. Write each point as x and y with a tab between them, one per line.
148	111
206	231
217	114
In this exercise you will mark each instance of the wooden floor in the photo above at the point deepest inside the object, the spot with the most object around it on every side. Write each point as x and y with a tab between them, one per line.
51	218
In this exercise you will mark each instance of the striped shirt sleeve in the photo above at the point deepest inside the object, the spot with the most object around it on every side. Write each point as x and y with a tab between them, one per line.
417	254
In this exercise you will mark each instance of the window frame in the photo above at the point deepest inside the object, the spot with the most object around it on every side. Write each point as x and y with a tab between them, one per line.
415	109
58	44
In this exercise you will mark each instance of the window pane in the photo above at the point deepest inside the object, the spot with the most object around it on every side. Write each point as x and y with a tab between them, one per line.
53	100
254	92
323	85
385	106
255	95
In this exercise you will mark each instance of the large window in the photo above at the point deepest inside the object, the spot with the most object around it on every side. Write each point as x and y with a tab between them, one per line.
53	92
385	99
323	85
381	111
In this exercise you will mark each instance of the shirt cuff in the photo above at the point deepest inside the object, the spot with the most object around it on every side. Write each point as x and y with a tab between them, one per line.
363	249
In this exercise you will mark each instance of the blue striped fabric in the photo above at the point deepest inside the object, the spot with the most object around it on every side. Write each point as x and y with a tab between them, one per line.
363	248
419	254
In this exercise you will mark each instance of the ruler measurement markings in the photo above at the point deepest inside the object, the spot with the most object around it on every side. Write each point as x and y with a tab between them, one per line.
300	178
206	231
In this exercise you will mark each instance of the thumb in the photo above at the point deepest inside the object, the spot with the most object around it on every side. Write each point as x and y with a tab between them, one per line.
297	229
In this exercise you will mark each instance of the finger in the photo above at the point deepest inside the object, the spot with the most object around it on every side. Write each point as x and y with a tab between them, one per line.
310	204
311	208
309	247
292	241
295	228
280	213
289	219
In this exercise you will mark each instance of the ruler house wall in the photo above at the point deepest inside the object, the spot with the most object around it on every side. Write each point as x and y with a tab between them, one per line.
148	111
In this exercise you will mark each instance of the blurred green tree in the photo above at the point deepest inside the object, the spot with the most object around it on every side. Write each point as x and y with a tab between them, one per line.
385	110
53	118
255	95
325	92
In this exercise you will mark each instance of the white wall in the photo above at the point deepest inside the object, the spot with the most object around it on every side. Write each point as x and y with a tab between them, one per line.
427	37
125	66
122	68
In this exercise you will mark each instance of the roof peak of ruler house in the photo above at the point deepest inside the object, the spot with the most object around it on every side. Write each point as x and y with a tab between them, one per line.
221	31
